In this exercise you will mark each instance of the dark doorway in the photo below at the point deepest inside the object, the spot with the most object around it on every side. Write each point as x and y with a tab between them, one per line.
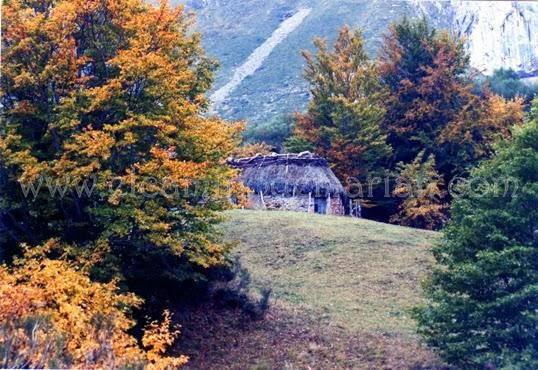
320	205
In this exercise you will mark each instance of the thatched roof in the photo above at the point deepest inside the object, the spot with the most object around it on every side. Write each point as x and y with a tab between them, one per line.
288	173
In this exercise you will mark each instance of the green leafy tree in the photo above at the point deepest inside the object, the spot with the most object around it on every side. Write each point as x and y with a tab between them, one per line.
297	144
343	119
108	95
533	115
506	82
273	133
483	296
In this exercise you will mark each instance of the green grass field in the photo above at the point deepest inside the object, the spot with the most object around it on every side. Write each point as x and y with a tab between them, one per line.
341	293
357	273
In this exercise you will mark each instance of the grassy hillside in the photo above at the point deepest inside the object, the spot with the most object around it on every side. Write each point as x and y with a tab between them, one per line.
341	287
358	273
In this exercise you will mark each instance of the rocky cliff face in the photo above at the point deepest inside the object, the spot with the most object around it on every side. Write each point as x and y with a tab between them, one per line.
499	34
261	69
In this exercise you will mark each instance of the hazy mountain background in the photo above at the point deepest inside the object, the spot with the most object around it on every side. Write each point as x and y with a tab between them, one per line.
258	42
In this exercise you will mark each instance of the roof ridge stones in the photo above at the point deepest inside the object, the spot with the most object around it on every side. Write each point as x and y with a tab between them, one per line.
259	160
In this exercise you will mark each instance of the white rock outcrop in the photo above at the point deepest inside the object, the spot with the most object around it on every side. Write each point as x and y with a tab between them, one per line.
500	34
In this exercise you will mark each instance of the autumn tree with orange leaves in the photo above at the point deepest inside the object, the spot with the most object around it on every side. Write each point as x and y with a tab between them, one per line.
107	94
103	147
368	117
431	109
431	106
343	120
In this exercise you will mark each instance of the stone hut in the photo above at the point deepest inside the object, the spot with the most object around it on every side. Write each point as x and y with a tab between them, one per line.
296	182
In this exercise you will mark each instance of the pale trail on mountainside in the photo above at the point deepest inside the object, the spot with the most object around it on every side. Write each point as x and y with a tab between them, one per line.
255	60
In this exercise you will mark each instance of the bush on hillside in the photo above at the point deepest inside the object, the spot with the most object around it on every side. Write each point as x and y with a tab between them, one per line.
250	150
236	293
53	316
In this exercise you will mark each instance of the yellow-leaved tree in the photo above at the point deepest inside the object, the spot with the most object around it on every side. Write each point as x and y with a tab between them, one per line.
421	189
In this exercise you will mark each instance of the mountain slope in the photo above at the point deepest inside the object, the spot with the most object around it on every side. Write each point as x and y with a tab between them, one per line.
258	56
232	31
500	34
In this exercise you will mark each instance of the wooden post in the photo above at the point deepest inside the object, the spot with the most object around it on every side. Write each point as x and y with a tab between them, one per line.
309	199
328	208
261	198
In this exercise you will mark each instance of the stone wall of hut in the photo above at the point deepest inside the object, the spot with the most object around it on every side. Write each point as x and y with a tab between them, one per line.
299	203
